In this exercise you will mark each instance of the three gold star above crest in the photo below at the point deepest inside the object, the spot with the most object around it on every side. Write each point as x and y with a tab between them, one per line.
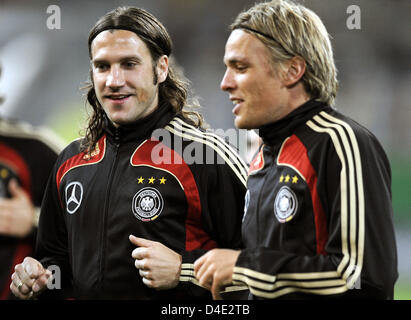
287	179
151	180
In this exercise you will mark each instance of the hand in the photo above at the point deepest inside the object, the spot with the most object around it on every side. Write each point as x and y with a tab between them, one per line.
29	279
158	265
17	213
214	270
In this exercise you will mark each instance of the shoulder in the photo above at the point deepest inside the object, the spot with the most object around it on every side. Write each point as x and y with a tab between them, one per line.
331	135
343	131
212	146
71	150
38	134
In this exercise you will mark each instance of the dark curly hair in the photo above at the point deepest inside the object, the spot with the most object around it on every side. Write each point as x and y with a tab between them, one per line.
172	92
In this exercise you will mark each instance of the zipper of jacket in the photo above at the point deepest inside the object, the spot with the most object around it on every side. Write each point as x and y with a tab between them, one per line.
106	206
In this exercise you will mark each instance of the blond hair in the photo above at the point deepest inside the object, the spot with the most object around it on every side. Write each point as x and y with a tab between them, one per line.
289	29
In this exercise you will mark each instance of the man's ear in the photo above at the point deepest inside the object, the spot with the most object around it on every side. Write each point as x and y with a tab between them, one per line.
162	68
295	70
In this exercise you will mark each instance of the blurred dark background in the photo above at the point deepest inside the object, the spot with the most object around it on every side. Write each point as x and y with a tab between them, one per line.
44	69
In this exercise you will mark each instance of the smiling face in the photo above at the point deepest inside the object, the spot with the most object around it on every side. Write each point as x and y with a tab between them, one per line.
257	91
124	76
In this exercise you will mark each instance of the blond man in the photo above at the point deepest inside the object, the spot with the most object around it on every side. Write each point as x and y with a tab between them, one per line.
318	213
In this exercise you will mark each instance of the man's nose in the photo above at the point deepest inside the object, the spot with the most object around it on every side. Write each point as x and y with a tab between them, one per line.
227	83
115	78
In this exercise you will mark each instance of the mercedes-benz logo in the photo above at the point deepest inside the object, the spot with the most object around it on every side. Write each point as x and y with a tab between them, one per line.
74	195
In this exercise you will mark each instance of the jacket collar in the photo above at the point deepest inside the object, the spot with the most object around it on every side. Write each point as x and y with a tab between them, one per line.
276	132
142	128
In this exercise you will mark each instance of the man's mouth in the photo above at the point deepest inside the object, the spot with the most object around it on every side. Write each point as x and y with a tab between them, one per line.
235	100
118	99
118	96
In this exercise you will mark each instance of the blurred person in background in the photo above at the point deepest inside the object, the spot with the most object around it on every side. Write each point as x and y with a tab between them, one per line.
27	156
318	218
119	222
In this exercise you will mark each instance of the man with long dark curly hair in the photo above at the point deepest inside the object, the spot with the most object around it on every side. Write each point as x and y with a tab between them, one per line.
127	211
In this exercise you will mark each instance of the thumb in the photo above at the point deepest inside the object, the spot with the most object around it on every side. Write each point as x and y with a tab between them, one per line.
140	242
215	290
15	190
33	268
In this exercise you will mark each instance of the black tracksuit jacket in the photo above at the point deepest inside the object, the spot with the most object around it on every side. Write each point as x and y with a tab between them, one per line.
319	219
151	180
27	154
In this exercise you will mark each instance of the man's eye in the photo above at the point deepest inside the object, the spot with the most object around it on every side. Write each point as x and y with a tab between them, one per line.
101	67
241	68
129	64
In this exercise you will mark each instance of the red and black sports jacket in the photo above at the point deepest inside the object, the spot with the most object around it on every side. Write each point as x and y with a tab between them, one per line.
27	154
161	179
319	218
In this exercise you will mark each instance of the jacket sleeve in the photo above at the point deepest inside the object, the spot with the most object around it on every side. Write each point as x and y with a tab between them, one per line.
42	168
354	186
222	188
51	245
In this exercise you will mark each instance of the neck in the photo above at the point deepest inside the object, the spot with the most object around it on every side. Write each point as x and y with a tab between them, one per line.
297	96
276	132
